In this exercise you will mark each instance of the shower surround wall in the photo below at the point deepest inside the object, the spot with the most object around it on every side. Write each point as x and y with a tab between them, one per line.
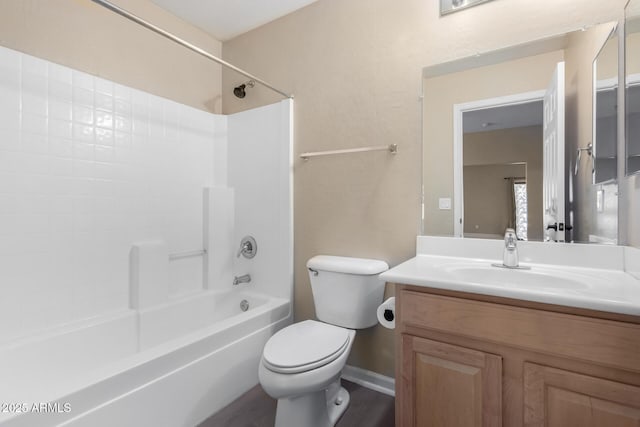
255	139
88	167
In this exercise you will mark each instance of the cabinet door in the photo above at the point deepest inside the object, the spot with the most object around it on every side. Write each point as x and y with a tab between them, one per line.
447	385
558	398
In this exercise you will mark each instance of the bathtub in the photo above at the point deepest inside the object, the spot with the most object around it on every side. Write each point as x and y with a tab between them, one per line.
171	365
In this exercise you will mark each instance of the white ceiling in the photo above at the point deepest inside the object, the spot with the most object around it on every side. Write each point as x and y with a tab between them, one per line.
512	116
225	19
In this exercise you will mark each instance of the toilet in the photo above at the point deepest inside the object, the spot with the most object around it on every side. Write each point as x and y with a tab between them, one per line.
302	363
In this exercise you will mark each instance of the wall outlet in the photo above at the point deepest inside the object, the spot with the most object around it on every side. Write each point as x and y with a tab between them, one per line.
444	203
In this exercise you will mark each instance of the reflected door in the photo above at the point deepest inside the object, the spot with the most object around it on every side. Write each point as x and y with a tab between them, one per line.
553	158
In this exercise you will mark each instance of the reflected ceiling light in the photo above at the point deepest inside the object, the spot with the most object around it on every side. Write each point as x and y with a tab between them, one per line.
450	6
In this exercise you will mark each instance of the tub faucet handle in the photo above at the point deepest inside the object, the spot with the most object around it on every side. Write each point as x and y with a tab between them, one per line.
248	247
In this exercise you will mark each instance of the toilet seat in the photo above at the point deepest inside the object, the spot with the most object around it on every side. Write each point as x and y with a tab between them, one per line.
304	346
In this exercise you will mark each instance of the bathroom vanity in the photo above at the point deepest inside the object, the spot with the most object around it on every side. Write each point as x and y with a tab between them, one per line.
540	347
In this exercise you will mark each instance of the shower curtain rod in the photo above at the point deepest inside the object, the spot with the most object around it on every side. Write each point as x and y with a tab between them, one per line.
122	12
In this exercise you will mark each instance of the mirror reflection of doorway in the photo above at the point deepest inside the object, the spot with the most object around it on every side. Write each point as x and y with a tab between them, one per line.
512	120
502	171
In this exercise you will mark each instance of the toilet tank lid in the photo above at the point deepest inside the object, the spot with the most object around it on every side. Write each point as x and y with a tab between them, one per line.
348	265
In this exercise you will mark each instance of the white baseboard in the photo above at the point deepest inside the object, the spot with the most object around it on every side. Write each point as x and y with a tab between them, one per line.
369	379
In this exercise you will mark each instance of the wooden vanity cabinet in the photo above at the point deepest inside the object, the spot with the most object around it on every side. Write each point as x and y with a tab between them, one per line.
468	360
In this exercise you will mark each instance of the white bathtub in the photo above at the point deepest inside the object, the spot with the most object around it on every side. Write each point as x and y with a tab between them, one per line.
171	365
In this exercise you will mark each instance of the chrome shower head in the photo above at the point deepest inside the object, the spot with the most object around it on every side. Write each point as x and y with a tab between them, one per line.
239	91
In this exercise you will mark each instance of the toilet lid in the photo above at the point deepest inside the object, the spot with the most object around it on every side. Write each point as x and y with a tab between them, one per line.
304	346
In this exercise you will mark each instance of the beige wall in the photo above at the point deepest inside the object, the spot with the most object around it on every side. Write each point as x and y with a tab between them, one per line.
355	69
509	146
487	204
441	93
633	45
607	55
84	36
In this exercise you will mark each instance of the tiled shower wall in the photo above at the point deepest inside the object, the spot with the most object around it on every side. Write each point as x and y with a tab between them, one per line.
86	168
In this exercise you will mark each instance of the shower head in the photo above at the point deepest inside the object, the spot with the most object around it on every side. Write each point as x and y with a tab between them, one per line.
239	91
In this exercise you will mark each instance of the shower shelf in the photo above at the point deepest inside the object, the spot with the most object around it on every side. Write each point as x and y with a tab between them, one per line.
393	149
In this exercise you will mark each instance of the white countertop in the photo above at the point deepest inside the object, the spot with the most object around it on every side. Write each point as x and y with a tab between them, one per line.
605	289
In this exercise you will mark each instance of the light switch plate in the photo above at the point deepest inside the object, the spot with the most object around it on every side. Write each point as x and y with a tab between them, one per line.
444	203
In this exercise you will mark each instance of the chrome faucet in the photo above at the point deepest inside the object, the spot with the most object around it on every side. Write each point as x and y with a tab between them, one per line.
510	256
241	279
244	248
248	247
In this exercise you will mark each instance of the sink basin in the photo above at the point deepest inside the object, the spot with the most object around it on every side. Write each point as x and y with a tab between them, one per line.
590	276
537	277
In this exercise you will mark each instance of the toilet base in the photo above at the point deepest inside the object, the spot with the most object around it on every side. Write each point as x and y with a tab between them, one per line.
338	405
318	409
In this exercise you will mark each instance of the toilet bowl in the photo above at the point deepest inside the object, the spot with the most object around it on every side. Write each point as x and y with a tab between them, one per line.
303	384
302	363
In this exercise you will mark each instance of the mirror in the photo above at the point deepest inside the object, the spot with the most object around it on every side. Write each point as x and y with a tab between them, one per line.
502	170
605	112
632	86
501	132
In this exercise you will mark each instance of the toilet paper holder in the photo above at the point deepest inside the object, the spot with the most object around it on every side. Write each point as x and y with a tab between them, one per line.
386	313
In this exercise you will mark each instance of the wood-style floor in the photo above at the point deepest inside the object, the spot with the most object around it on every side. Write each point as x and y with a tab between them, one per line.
255	408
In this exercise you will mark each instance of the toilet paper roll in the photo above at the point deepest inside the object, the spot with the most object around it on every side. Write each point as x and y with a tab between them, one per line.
387	313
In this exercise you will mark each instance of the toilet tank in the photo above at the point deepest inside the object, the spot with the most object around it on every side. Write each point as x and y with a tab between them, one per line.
346	291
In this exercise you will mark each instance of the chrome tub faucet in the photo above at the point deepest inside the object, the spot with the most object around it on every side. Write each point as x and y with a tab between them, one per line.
248	247
246	278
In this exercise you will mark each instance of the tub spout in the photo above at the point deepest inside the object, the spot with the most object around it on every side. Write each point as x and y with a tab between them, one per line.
241	279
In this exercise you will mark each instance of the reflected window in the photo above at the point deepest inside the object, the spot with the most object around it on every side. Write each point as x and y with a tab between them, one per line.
521	207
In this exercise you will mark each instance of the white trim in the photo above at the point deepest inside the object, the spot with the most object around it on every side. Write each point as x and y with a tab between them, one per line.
632	80
458	134
605	84
287	121
369	379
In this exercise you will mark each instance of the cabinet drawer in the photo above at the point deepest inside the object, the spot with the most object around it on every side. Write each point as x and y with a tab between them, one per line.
604	342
